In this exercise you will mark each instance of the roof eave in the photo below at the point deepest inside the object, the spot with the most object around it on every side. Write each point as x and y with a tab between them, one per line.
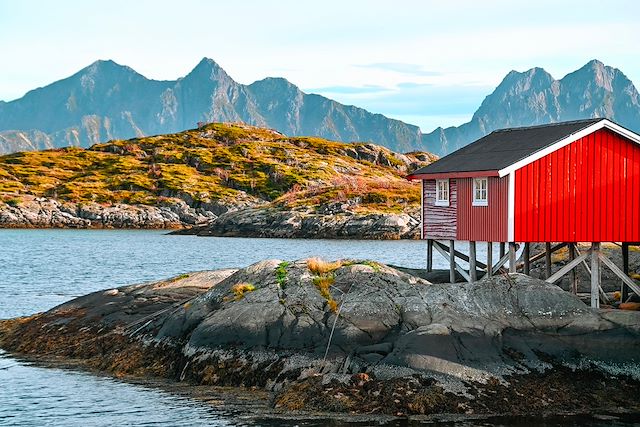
450	175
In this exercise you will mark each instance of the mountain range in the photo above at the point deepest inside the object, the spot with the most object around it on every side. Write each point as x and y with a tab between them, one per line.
107	101
534	97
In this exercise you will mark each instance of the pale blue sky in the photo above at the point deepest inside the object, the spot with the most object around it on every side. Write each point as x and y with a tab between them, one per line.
428	63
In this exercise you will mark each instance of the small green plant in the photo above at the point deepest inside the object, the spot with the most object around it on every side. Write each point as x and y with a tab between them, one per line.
372	264
281	274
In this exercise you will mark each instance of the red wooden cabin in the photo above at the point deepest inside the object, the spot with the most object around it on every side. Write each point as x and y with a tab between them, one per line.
567	182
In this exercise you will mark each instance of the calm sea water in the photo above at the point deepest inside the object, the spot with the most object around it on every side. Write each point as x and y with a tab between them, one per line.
43	268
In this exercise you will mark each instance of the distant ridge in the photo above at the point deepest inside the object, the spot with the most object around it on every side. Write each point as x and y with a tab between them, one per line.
106	100
110	101
534	97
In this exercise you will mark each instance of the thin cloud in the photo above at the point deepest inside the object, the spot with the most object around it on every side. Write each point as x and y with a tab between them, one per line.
348	90
401	67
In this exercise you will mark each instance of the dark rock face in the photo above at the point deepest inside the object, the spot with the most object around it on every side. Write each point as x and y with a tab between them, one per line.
394	343
108	101
534	97
37	212
334	223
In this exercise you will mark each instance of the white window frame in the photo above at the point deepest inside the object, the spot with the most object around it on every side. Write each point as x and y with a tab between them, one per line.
442	201
480	201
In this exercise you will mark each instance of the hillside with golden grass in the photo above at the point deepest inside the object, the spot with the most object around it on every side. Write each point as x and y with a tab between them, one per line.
221	164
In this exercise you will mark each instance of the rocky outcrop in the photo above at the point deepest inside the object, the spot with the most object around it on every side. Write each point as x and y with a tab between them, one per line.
337	223
209	219
39	212
355	336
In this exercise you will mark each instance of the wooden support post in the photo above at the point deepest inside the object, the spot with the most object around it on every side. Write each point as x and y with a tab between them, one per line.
512	257
624	291
573	277
570	266
429	255
502	251
595	275
527	256
452	262
547	259
489	259
473	270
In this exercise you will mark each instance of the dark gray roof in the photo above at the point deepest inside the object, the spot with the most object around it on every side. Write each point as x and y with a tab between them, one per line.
504	147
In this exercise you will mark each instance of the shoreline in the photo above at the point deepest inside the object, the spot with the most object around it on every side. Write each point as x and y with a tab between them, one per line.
251	404
136	331
181	218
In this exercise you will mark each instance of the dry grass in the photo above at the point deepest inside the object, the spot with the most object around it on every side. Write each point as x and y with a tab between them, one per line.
321	267
324	283
240	289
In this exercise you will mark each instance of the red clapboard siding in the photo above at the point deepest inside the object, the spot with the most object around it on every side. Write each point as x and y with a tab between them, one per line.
439	221
483	223
588	191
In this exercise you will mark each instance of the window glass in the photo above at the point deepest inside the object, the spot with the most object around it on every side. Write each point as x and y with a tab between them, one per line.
480	191
442	192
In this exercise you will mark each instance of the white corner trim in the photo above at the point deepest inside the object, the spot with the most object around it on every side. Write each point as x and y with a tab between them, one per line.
511	207
421	209
568	140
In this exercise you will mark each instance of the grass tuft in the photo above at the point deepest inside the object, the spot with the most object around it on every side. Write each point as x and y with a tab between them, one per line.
319	266
240	289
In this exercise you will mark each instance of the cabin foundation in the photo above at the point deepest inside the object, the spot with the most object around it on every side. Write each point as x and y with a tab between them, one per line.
591	260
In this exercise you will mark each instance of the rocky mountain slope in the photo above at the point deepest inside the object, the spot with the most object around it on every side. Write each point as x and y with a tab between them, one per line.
535	97
107	101
210	173
355	337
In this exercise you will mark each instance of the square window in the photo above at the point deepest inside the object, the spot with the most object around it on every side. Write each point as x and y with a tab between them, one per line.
442	192
480	192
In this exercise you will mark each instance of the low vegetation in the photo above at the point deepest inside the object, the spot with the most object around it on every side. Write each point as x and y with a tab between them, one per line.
218	162
240	289
281	274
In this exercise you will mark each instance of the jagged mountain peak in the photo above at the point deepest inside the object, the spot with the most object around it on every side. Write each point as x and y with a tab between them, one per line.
106	66
517	82
106	100
208	68
534	97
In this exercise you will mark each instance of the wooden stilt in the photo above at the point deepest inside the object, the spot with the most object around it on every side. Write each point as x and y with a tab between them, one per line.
624	290
512	257
573	277
616	270
502	251
595	275
543	253
489	259
527	256
547	259
429	255
452	262
498	266
570	266
473	271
